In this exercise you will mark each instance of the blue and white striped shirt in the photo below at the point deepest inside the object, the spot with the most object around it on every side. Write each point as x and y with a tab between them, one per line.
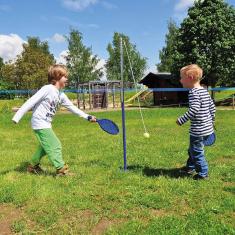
201	113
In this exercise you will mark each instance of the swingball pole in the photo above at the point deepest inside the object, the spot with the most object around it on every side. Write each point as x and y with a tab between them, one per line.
123	107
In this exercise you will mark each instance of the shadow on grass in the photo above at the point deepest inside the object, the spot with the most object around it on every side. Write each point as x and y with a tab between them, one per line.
147	171
153	172
22	168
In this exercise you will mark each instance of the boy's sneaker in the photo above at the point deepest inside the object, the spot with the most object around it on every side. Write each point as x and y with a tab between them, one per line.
187	171
35	169
199	177
64	171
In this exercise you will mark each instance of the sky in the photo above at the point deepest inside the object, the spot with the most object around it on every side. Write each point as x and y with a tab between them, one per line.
145	22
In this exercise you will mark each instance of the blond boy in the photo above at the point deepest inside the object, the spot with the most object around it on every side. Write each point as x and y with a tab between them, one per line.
201	113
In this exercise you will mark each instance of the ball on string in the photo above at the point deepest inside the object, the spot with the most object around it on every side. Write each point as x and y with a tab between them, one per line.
146	135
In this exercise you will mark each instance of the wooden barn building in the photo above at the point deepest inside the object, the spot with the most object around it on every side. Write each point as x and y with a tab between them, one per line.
165	80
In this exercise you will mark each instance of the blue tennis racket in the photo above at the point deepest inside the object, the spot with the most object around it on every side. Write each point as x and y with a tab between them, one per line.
108	126
210	140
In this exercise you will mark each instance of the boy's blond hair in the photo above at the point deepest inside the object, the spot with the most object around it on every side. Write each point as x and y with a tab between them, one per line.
192	70
56	72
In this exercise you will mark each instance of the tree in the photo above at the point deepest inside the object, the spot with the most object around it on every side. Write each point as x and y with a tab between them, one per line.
29	71
80	60
32	65
207	37
139	63
3	84
8	76
167	52
1	65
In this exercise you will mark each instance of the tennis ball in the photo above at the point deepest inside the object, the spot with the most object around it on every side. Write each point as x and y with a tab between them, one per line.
146	135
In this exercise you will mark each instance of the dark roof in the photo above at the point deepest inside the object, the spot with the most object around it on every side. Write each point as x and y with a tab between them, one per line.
151	78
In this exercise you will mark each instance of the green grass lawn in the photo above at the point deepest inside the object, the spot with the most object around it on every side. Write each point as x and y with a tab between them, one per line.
150	198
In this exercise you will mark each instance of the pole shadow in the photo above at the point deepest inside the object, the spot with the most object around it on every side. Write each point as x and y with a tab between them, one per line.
156	172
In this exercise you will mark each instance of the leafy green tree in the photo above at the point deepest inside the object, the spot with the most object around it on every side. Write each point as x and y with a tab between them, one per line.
139	63
3	84
207	37
8	77
167	52
1	65
29	71
32	65
82	64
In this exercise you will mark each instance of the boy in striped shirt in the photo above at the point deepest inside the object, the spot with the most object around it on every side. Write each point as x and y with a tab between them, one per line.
201	113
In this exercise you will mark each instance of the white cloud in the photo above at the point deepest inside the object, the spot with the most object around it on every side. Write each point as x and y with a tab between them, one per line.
183	5
58	38
78	5
10	46
61	59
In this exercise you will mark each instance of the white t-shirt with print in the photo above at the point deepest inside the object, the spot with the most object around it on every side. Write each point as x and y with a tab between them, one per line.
44	105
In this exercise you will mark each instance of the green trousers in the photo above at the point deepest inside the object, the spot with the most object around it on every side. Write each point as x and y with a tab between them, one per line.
49	145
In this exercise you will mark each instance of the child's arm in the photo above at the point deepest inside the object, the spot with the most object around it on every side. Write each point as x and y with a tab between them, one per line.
194	106
212	110
72	108
29	104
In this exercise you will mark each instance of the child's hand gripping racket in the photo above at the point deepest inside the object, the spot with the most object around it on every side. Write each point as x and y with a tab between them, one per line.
106	125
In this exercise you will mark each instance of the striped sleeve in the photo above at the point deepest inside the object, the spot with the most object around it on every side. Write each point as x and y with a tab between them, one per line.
194	106
212	110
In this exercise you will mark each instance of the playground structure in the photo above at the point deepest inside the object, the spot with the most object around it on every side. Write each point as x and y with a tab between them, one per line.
142	95
106	94
100	94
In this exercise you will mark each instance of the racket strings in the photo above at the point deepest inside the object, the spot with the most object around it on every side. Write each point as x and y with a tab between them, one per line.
136	90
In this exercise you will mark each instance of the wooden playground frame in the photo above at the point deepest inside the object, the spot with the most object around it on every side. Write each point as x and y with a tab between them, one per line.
98	94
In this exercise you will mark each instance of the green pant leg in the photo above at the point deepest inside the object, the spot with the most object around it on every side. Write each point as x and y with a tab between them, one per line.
36	158
52	146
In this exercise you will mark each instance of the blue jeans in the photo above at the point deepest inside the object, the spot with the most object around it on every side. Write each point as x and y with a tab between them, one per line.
196	160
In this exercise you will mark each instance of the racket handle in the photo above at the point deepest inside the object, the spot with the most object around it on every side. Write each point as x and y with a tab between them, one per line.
89	118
